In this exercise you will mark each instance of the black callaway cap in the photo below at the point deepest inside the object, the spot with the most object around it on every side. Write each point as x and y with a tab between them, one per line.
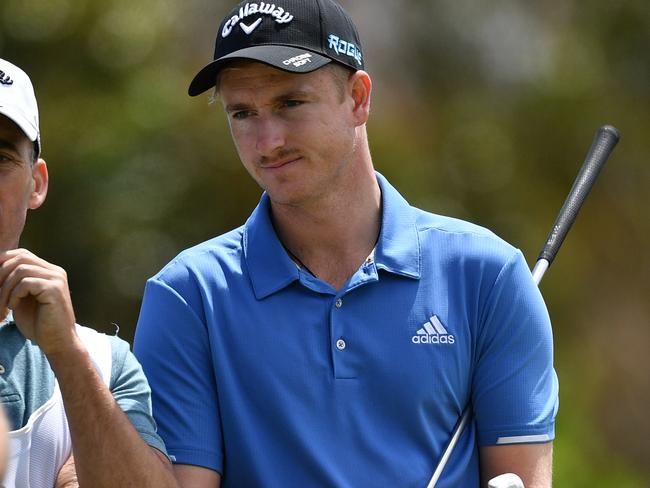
293	35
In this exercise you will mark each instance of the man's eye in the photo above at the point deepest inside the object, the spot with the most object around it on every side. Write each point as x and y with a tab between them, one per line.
241	114
293	103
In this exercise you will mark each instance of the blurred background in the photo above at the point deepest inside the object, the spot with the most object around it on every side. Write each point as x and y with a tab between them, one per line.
482	110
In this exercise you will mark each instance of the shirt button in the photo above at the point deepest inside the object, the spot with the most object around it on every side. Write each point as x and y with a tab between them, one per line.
339	303
341	345
2	369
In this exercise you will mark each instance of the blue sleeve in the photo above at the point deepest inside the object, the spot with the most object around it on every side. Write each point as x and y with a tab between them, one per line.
132	393
172	343
515	388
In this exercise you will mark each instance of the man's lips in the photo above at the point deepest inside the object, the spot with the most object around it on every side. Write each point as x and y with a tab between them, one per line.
279	163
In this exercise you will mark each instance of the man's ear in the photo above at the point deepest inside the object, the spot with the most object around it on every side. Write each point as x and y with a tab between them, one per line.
360	86
40	179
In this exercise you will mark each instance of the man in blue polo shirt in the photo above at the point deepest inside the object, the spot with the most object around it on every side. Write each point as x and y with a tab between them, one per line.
335	338
62	386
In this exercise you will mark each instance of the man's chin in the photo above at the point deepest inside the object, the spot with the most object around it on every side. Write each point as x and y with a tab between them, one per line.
290	199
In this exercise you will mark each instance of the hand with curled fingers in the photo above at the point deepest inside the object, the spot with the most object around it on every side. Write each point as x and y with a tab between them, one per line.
37	292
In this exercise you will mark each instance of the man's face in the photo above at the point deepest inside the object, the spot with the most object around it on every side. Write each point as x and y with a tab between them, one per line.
295	133
20	182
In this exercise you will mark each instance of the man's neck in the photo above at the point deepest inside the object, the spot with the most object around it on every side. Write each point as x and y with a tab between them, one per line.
334	236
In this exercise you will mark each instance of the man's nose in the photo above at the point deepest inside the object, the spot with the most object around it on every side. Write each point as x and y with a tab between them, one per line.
270	136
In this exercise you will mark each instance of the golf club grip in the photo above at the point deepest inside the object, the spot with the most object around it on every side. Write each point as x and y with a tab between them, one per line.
601	147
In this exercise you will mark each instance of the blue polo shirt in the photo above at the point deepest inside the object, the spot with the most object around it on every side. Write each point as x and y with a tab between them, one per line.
268	375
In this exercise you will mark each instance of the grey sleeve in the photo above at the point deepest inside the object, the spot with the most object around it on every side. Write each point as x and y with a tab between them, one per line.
132	393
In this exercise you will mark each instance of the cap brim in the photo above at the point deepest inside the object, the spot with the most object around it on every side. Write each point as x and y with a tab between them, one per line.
30	131
281	57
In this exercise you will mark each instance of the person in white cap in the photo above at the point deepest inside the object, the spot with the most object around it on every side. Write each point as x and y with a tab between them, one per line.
62	386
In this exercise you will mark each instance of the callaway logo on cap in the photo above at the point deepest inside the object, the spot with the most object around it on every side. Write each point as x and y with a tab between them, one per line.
294	35
17	100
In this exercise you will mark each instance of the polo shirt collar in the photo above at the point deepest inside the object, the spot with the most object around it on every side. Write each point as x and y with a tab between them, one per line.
398	248
268	263
271	269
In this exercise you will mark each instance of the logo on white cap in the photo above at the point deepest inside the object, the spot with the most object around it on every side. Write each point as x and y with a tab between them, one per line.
4	79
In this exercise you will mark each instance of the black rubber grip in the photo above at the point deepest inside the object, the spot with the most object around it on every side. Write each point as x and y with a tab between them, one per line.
602	146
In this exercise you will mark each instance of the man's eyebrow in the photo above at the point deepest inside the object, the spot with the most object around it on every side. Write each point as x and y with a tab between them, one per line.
6	144
290	95
293	94
235	107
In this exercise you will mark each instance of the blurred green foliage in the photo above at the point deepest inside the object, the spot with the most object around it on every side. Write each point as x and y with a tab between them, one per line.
482	110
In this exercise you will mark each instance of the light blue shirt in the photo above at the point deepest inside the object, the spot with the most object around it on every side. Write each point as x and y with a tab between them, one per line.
27	382
268	375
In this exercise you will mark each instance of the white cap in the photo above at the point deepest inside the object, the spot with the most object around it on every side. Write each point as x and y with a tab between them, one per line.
18	101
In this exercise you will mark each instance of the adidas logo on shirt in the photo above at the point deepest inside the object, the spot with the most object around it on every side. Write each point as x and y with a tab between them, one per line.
433	332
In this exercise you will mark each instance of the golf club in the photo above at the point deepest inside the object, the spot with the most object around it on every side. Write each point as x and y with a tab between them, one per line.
603	144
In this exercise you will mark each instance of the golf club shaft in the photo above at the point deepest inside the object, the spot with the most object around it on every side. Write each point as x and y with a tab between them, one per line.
604	142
